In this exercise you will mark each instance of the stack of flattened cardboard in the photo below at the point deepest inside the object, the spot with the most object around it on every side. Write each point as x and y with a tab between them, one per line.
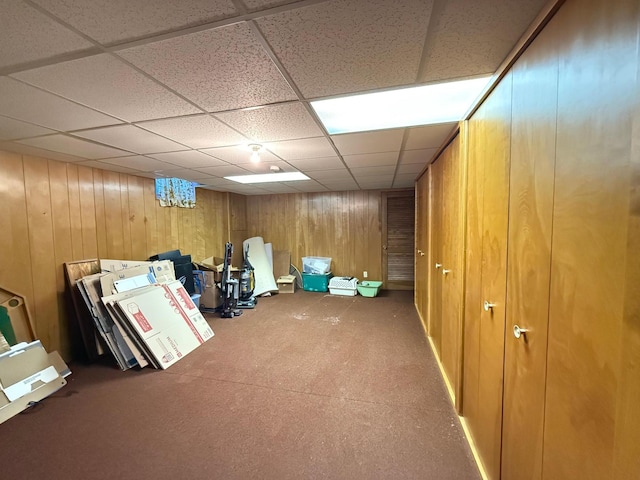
143	314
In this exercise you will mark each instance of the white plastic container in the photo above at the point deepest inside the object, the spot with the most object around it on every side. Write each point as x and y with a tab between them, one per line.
316	265
347	286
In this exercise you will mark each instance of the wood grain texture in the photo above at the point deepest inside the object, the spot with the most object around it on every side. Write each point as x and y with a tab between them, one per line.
15	267
345	226
626	462
597	71
421	293
484	331
42	249
436	254
533	145
452	247
55	212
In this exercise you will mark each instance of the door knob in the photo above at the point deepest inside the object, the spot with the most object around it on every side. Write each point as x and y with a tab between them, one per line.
488	306
422	254
518	332
438	265
419	251
445	271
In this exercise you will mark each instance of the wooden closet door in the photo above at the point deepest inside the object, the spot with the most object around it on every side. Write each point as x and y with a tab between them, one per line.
596	155
422	245
533	135
452	265
485	328
435	288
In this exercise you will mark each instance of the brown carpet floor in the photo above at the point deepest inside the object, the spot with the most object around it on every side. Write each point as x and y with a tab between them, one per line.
305	386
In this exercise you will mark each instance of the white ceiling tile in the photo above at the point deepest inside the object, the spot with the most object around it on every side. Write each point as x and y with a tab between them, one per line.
403	177
238	155
220	69
110	167
119	20
330	174
27	103
105	83
191	175
340	185
14	129
256	5
138	162
369	142
385	182
417	156
74	146
405	180
28	35
274	122
315	164
263	167
197	131
38	152
247	189
302	149
188	159
430	136
350	45
410	168
224	171
131	138
310	187
371	159
372	171
221	182
280	187
471	38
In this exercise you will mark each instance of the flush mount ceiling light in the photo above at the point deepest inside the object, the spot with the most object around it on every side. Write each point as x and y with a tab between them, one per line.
404	107
255	148
269	177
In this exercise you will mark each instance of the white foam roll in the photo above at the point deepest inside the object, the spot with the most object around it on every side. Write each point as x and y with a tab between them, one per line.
257	256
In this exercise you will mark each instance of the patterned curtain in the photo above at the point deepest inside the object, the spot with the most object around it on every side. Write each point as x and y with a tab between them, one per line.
176	192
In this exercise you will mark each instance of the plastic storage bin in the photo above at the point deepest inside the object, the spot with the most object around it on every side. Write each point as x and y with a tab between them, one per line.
369	289
317	265
316	283
346	286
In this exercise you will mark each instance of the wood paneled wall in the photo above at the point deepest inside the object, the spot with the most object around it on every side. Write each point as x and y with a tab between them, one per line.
53	212
345	226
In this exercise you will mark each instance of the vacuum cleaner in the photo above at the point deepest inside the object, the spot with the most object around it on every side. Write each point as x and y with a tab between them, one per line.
237	293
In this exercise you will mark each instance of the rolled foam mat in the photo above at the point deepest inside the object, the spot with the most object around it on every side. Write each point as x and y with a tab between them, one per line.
263	272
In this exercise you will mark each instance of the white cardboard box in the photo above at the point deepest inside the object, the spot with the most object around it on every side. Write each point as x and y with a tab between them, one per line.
28	374
167	321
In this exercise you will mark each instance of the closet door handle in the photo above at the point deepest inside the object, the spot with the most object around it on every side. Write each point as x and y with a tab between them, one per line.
438	265
488	306
519	332
445	271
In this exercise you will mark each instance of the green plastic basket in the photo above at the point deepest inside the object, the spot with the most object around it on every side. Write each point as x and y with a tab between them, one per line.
369	289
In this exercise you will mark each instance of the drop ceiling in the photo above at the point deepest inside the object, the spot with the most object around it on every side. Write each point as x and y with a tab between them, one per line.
174	89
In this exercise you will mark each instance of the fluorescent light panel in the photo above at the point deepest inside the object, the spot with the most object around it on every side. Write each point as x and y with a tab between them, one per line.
405	107
269	177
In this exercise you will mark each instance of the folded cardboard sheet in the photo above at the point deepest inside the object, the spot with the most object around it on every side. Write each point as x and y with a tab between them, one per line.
28	374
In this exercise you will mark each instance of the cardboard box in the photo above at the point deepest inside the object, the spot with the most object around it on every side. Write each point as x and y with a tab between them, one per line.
28	374
209	277
167	321
108	265
286	284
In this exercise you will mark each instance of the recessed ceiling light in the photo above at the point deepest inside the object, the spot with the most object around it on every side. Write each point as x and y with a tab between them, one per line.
404	107
269	177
